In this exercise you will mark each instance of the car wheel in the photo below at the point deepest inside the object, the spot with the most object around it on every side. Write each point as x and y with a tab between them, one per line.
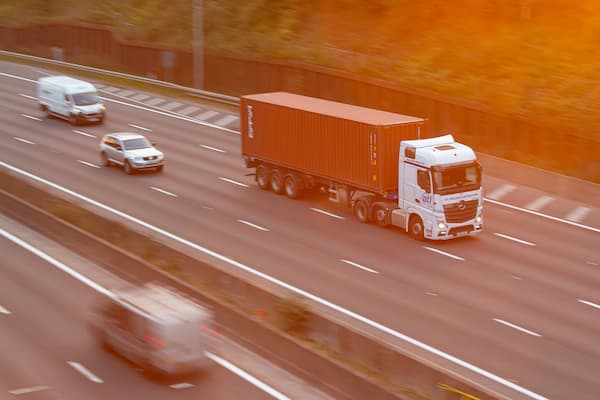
127	168
159	168
381	216
290	186
415	228
73	119
262	177
361	212
104	159
276	184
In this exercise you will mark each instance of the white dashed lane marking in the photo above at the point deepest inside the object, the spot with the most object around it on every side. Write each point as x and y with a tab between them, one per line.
125	93
31	389
31	117
111	89
517	327
501	191
84	133
88	164
140	127
443	253
140	97
539	203
4	310
163	191
232	181
578	213
212	148
27	96
359	266
206	115
326	213
253	225
183	385
226	120
23	140
589	303
188	110
514	239
85	372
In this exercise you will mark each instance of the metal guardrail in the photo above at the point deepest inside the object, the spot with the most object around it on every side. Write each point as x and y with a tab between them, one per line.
221	98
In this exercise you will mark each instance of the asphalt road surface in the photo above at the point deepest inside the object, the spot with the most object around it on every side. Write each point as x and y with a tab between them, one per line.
521	300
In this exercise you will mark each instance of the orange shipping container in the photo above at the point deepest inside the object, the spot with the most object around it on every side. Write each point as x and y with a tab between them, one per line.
342	143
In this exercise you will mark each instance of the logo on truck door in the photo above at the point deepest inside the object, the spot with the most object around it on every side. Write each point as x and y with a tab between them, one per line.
250	123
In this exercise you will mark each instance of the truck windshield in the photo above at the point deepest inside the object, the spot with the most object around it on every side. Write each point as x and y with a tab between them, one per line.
457	178
85	99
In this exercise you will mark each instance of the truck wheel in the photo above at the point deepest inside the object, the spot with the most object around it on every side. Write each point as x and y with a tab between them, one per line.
276	182
361	212
381	217
262	177
291	188
415	227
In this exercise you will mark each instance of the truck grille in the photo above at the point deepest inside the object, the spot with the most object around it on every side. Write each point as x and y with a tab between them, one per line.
461	211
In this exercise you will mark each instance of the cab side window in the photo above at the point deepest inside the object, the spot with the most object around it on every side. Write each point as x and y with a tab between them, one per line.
423	180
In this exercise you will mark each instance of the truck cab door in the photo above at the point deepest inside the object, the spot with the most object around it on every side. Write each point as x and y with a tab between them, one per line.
423	192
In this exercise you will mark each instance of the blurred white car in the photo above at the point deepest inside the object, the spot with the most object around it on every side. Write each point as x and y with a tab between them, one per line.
134	152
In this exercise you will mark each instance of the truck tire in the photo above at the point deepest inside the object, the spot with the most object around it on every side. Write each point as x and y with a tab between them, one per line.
277	181
361	211
262	177
291	187
415	227
381	216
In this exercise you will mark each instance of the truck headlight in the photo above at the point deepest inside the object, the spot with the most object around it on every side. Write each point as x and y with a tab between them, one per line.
478	219
441	225
102	107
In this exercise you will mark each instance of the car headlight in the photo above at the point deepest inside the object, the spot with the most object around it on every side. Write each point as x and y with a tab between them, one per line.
102	107
76	111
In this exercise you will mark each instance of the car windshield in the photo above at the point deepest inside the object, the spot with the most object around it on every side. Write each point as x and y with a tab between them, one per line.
135	144
85	99
458	178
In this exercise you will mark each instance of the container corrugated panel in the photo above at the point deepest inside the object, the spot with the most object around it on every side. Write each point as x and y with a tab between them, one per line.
347	144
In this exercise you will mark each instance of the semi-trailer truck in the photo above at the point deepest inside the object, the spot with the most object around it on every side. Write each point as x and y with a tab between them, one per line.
382	164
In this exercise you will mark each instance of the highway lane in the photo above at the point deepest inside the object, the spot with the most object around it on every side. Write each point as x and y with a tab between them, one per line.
445	302
49	352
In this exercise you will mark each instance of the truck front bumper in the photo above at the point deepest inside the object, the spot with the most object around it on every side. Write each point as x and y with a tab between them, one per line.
451	231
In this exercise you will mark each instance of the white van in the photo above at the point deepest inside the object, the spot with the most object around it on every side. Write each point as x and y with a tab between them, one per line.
70	99
157	328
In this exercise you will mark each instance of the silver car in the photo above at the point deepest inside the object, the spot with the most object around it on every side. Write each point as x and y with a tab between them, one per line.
134	152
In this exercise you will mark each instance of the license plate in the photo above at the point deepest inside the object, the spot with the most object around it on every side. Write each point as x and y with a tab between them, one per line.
463	233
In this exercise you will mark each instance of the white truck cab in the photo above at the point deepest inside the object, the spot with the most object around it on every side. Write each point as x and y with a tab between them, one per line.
71	99
439	189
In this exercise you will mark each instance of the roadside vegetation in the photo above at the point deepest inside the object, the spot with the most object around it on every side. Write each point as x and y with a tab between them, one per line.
535	59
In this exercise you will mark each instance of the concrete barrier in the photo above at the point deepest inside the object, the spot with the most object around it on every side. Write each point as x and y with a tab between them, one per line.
327	351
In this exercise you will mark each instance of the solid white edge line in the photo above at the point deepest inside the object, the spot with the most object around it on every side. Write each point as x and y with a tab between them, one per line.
326	213
83	133
27	96
542	215
212	148
517	327
56	263
514	239
232	181
140	127
252	225
23	140
163	191
589	303
89	164
358	266
247	377
26	390
285	285
31	117
443	253
4	310
85	372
